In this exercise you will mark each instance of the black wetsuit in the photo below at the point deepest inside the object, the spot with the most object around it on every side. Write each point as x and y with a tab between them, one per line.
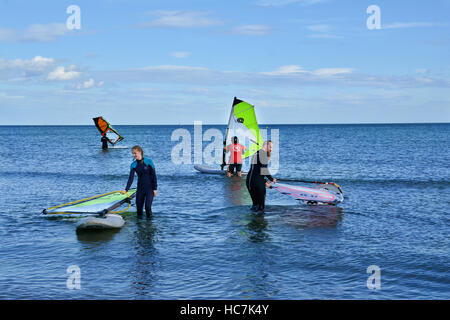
104	142
256	182
147	183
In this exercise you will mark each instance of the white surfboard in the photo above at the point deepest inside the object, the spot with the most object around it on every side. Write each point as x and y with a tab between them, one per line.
212	170
208	169
109	221
320	194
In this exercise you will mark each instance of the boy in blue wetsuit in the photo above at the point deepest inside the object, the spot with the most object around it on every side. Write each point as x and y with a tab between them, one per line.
147	183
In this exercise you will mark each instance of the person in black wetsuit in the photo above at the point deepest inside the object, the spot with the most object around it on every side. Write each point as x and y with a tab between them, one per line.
104	142
147	184
256	182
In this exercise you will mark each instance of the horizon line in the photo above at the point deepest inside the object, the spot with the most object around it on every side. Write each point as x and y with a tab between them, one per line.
224	124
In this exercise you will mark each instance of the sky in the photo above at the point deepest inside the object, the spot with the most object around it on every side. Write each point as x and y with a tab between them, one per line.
176	62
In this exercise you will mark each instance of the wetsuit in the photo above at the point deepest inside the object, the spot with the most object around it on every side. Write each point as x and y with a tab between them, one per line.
256	182
104	142
147	183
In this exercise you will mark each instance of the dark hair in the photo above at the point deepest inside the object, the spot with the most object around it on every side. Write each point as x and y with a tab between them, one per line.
235	139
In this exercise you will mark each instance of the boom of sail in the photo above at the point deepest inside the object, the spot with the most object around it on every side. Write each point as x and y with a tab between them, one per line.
100	204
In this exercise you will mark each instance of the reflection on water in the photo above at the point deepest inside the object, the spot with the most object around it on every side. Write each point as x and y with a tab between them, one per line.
96	236
306	217
257	228
257	280
236	191
144	235
263	232
144	258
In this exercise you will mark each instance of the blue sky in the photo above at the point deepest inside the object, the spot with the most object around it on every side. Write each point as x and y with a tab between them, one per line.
170	62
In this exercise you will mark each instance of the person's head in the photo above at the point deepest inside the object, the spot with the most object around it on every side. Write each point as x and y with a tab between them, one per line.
137	152
235	139
268	146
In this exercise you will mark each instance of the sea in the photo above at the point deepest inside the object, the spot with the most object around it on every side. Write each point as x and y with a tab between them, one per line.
388	239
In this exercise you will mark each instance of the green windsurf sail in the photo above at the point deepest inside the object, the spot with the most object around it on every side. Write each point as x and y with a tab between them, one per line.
243	124
99	204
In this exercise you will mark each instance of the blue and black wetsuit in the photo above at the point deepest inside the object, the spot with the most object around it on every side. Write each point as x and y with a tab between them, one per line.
147	182
256	182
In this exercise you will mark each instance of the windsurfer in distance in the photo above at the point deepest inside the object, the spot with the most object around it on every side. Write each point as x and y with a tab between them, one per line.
104	141
147	183
256	178
235	162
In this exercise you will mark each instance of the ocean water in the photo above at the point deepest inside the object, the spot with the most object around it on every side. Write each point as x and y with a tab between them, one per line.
203	242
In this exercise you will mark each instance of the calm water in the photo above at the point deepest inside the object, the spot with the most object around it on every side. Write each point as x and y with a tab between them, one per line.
203	242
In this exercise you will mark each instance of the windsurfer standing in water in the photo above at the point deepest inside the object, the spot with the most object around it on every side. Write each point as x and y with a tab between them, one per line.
256	178
235	162
104	142
147	183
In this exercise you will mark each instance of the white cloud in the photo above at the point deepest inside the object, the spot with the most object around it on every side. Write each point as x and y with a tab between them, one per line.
327	72
180	54
38	69
174	68
6	96
181	19
400	25
286	70
280	3
297	70
321	31
89	84
60	74
38	63
252	30
38	60
45	32
36	32
424	79
319	28
284	76
19	69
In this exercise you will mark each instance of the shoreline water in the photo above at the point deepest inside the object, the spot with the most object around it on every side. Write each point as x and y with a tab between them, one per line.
204	243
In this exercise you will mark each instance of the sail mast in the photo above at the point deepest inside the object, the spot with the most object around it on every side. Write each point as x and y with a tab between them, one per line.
226	135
